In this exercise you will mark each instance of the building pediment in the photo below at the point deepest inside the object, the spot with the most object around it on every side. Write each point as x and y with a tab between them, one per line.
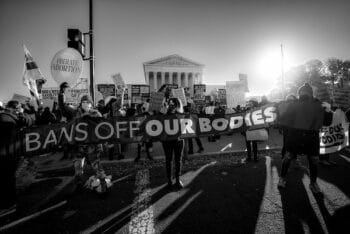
173	61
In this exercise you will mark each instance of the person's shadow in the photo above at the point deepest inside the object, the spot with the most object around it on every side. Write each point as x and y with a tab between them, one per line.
298	202
334	203
221	198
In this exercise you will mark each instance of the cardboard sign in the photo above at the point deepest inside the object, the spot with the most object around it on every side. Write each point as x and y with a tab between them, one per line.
139	93
180	94
235	94
118	81
222	96
156	101
72	96
342	97
106	90
199	91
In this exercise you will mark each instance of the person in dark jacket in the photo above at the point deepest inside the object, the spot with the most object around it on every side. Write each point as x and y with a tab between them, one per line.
304	118
90	153
11	121
47	117
173	147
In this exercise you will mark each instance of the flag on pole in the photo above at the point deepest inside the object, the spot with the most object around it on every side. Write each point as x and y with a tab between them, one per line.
32	76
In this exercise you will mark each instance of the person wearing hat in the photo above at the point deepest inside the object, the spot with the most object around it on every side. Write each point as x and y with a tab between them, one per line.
304	118
91	152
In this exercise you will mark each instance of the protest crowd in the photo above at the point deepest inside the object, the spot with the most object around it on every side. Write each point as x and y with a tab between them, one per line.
300	135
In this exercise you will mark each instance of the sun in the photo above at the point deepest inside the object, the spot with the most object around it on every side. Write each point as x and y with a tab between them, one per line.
269	64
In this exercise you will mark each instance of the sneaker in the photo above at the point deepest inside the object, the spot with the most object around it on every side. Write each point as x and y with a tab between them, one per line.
315	188
282	183
178	185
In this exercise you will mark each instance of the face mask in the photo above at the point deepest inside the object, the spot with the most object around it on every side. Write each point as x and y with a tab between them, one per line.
86	106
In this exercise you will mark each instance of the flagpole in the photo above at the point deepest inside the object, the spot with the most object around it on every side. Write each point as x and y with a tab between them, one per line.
92	58
282	71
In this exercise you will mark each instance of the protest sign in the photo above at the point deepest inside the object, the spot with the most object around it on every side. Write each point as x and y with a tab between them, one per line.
342	97
199	91
222	96
139	93
156	101
180	94
106	90
88	130
118	81
336	136
72	96
235	94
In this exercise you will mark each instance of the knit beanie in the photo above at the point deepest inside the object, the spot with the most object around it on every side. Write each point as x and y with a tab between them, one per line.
86	98
306	90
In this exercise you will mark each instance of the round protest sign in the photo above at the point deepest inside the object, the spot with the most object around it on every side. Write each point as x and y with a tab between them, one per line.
66	66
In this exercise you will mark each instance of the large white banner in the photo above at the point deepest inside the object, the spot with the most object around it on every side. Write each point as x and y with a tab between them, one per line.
336	136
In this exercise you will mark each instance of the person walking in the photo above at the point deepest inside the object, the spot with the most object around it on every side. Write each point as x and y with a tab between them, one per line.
304	118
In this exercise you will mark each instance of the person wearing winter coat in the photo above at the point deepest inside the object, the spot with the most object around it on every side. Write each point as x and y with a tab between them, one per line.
173	147
89	152
304	118
12	119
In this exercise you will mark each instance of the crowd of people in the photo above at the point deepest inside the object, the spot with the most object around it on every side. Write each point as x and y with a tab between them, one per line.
304	139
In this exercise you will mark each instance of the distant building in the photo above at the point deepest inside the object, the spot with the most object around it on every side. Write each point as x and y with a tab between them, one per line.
173	69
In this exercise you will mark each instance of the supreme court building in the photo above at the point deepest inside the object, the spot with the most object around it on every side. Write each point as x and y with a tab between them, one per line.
173	69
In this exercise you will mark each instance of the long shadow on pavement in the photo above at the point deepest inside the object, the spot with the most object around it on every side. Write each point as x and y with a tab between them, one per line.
299	215
221	199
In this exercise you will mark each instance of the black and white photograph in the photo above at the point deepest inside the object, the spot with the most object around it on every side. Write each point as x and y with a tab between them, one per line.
174	116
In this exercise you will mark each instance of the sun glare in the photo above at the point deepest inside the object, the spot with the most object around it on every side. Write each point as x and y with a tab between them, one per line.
269	64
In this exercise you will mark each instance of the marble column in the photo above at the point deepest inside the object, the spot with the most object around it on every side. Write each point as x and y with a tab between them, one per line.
186	80
147	78
179	79
170	78
163	78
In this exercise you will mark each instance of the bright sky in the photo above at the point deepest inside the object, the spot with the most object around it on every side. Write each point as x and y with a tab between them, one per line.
227	36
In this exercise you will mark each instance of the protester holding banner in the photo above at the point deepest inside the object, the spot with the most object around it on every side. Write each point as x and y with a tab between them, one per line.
304	119
143	112
11	121
173	147
91	152
252	137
